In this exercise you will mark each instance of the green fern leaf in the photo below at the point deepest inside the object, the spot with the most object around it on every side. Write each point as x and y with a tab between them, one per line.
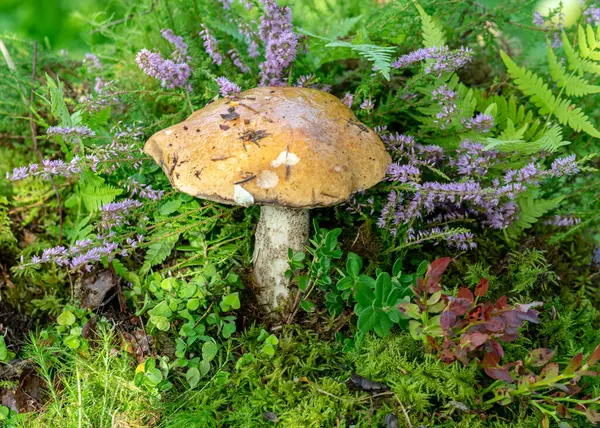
531	210
538	92
380	56
159	251
93	197
576	63
432	34
573	85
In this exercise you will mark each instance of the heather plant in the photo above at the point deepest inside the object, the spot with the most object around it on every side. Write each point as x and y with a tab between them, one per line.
489	116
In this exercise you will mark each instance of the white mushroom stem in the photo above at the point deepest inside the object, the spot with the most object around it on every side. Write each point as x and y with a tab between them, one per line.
278	230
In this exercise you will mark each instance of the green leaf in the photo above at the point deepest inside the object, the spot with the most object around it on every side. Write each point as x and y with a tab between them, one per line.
159	251
66	318
170	207
308	306
192	304
433	36
161	309
204	367
192	376
209	351
538	92
303	281
530	210
228	329
354	265
161	323
231	301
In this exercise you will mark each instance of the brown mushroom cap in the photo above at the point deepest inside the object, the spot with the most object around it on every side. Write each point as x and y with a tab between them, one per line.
292	147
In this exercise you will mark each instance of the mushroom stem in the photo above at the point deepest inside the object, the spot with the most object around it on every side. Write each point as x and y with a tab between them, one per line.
278	230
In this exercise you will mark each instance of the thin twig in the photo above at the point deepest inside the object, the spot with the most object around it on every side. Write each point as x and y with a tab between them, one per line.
35	144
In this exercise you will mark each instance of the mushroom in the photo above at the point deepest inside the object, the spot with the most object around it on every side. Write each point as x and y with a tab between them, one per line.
285	149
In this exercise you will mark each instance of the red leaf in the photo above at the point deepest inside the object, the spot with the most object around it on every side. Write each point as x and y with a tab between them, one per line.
461	355
465	293
473	340
594	357
501	302
562	411
447	320
496	348
437	268
482	288
490	359
475	313
494	325
458	305
499	373
539	357
574	364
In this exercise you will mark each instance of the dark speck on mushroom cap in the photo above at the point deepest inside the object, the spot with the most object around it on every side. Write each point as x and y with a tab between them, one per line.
302	148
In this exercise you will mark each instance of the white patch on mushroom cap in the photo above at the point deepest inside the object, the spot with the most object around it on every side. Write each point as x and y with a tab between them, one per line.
285	158
169	132
337	168
267	179
241	196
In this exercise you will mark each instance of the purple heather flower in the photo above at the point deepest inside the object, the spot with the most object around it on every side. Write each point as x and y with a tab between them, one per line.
92	61
562	221
348	99
227	87
442	59
280	41
211	45
181	47
226	4
482	123
538	19
250	36
93	255
367	105
237	61
58	255
445	98
170	73
114	213
403	173
592	15
75	131
143	190
564	166
472	159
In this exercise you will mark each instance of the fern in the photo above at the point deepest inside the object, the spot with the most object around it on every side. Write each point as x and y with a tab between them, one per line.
380	56
533	86
432	34
531	210
574	86
7	239
94	192
159	251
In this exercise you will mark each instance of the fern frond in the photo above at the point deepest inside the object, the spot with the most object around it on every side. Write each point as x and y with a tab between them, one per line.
573	85
576	63
511	141
538	92
432	34
380	56
159	251
94	197
531	210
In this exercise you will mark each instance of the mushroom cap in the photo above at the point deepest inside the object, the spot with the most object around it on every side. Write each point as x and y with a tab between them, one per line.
293	147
